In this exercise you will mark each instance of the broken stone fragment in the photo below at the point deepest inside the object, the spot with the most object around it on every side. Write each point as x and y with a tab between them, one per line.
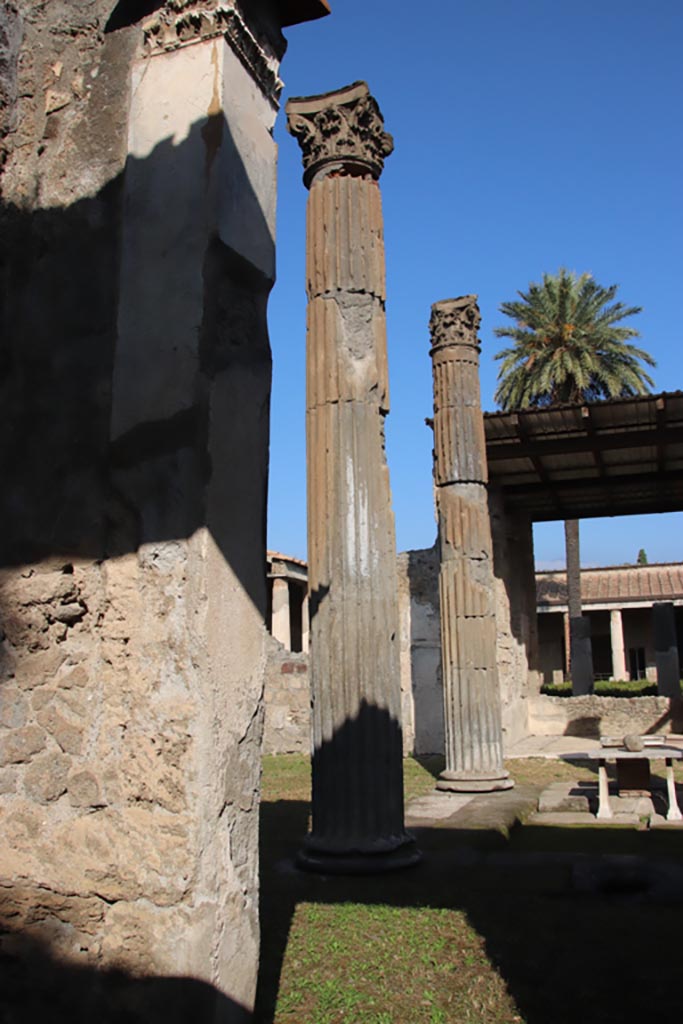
19	746
68	736
8	781
69	613
55	100
13	707
46	777
84	790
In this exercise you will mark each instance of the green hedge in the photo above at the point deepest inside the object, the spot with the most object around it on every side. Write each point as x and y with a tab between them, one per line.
606	688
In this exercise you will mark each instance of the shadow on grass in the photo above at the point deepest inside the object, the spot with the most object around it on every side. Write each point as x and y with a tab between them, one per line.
432	763
581	924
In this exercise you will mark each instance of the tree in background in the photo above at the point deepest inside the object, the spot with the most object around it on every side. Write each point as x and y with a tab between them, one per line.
642	557
569	346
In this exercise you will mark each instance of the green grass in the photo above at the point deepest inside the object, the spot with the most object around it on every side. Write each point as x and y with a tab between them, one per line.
288	777
463	937
415	964
606	688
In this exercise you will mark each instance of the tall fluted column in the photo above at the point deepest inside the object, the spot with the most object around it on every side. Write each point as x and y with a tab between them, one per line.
472	711
616	628
354	657
281	626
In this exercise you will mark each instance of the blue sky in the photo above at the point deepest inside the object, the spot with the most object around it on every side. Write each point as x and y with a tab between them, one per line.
528	136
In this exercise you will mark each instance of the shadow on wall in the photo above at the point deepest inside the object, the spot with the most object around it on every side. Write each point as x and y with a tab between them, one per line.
516	615
588	727
51	991
125	426
425	650
674	715
190	408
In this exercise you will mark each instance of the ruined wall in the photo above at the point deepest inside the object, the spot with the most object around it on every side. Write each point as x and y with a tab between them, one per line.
603	716
420	637
287	723
138	226
516	616
516	634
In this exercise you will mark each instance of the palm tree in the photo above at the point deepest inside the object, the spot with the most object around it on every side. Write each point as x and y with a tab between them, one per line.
569	346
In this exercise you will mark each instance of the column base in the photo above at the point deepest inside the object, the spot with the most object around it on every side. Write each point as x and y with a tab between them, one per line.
358	862
475	782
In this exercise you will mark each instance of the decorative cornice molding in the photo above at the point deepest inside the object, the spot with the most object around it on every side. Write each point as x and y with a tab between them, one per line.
184	22
340	131
455	322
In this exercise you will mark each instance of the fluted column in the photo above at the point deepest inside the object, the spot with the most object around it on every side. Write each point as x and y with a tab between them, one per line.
357	812
472	710
616	626
281	626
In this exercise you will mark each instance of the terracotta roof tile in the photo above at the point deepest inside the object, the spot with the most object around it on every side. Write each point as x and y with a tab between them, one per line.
615	584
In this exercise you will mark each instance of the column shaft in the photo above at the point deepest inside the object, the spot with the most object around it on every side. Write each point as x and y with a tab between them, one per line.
567	645
305	626
617	637
666	649
357	800
281	624
472	708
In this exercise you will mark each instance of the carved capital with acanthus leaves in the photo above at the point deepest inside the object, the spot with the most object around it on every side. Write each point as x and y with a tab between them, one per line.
455	322
340	132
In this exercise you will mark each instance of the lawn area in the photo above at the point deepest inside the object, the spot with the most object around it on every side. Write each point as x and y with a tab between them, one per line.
484	932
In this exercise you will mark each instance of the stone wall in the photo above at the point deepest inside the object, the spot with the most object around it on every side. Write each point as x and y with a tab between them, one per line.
516	641
287	725
516	616
420	636
603	716
138	226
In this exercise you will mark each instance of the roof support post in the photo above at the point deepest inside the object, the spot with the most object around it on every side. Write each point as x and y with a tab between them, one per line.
666	649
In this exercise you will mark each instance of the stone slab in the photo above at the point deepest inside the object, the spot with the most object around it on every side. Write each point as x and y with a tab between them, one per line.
567	796
562	818
435	807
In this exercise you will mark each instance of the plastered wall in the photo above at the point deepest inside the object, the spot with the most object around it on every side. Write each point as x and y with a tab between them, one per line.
138	254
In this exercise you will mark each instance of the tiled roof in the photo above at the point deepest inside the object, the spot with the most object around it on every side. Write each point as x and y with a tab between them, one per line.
277	556
615	584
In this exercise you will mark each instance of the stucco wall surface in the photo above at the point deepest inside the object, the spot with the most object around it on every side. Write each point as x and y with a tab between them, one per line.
134	391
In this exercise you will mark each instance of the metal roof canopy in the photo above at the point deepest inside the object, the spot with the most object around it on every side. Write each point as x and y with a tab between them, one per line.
619	457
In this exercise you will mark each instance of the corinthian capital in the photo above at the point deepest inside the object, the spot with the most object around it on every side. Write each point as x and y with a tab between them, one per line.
341	130
455	322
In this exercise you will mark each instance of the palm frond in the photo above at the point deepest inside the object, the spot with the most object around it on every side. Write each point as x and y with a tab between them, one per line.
569	344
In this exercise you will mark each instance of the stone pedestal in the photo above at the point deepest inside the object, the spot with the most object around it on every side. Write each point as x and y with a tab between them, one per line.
666	650
472	710
354	657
